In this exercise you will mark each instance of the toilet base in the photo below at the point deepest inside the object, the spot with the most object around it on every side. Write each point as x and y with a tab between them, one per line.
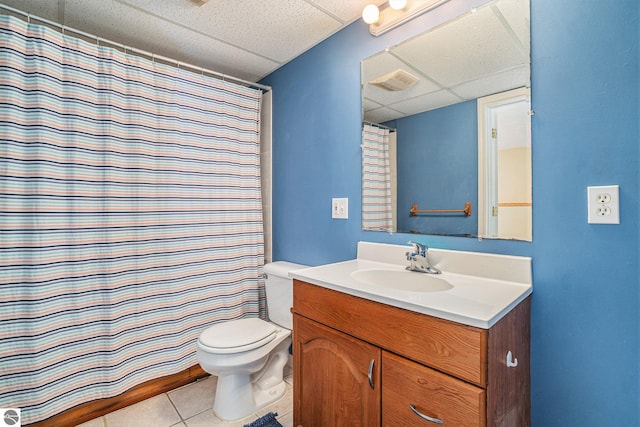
240	395
236	408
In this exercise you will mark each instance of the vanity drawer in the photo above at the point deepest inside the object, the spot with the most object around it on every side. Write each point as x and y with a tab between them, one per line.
450	347
430	392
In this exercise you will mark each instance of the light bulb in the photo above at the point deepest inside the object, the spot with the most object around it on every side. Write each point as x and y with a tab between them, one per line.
370	14
397	4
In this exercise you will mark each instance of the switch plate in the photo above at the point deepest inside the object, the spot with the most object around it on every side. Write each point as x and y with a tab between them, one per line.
603	204
340	208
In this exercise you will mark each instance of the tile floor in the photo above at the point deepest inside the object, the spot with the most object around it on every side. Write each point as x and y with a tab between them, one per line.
191	406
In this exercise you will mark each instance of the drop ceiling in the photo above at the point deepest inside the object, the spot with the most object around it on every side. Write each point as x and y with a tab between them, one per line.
247	39
479	54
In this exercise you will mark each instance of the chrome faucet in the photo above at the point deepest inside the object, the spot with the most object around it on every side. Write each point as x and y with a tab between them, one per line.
419	259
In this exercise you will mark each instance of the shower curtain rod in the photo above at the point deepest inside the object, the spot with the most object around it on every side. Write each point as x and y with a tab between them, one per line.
380	126
126	49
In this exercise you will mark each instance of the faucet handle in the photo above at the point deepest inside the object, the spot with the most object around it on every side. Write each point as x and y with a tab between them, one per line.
419	248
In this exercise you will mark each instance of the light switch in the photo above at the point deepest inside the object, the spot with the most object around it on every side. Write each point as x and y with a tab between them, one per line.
340	208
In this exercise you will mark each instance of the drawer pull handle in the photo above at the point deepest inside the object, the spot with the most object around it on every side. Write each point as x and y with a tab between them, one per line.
370	374
425	417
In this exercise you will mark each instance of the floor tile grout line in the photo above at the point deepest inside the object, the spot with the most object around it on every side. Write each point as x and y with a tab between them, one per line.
175	407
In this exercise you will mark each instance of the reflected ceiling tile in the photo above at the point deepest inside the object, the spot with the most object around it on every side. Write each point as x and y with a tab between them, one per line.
379	65
368	105
496	83
384	63
517	15
382	115
427	102
457	52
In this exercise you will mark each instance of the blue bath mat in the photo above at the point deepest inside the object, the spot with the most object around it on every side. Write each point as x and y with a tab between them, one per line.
268	420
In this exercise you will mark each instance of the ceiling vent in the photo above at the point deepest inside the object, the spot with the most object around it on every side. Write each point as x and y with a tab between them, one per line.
396	80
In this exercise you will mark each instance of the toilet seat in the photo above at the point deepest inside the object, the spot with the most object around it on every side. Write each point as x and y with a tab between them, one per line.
236	336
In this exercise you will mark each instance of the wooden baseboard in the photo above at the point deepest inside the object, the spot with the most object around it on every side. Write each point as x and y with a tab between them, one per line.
97	408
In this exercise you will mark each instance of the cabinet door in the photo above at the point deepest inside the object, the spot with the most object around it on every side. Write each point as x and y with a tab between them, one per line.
336	377
416	395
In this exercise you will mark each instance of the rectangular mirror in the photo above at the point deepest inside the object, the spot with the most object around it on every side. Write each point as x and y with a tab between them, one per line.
446	146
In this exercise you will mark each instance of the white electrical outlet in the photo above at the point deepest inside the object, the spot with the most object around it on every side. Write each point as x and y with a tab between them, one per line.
340	208
603	204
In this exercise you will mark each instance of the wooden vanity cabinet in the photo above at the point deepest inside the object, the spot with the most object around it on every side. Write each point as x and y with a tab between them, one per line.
358	362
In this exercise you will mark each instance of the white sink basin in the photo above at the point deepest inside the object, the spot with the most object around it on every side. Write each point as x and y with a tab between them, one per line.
402	280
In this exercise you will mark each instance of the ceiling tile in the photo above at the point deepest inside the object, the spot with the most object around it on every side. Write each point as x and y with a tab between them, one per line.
42	9
112	20
243	38
276	29
346	11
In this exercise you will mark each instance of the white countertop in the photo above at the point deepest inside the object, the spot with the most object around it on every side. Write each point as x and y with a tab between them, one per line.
485	286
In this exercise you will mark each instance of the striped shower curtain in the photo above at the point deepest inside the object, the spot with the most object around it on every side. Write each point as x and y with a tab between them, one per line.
377	210
130	217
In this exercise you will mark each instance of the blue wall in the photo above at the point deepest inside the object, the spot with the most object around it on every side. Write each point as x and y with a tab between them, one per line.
585	91
438	150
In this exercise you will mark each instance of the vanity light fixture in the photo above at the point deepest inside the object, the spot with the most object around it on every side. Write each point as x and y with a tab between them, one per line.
396	13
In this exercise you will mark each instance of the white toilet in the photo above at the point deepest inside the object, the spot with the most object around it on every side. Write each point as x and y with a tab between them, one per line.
248	355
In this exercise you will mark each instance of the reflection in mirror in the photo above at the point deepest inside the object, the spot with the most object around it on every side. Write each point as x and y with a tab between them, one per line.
504	167
425	143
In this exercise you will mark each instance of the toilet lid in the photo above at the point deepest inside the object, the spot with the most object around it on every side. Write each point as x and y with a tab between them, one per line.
239	335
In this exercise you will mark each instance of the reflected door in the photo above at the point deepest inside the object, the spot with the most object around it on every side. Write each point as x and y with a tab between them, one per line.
505	205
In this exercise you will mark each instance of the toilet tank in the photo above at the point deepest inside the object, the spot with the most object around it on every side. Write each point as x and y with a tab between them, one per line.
279	289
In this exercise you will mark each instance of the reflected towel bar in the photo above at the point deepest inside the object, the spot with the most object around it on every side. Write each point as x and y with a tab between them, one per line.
466	211
514	204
